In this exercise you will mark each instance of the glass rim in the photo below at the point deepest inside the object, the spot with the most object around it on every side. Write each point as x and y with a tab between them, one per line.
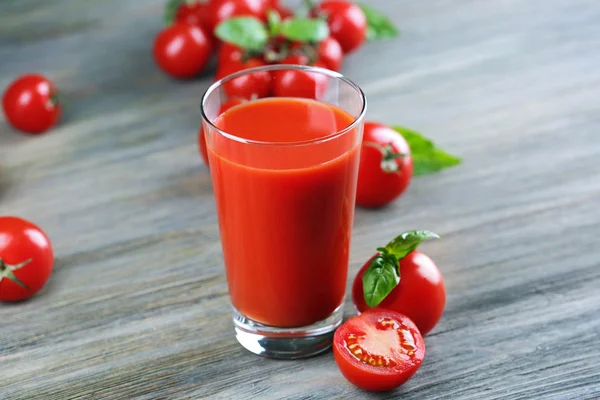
278	67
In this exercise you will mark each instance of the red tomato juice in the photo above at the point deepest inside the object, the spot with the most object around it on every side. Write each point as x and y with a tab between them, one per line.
285	208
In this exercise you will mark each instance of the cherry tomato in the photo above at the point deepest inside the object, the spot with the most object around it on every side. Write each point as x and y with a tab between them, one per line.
30	104
26	259
182	50
220	10
330	53
195	13
385	167
296	83
229	54
420	295
347	22
379	350
202	139
254	85
284	12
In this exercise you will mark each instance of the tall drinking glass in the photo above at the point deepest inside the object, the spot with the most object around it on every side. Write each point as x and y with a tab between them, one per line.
284	172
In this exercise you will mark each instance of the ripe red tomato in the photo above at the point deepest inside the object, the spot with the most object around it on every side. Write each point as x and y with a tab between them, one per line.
229	54
296	83
195	13
384	173
202	139
331	54
220	10
420	295
347	22
379	350
30	104
182	50
284	12
26	259
250	86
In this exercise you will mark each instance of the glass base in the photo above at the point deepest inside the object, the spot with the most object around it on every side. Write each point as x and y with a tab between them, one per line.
286	343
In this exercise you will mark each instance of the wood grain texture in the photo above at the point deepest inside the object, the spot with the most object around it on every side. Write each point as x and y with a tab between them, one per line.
137	307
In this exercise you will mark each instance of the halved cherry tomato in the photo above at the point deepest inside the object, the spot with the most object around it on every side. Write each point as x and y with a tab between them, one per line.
182	50
254	85
331	54
220	10
30	104
386	166
420	295
297	83
347	22
379	350
26	259
201	137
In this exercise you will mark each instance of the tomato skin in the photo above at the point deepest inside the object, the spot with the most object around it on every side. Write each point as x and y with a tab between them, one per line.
221	10
255	85
376	186
420	295
347	23
20	240
182	50
30	104
229	54
377	378
296	83
202	139
193	13
330	53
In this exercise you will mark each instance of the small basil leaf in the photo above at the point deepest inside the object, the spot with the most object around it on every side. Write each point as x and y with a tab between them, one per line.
245	32
274	22
171	10
408	242
379	280
305	29
379	25
427	157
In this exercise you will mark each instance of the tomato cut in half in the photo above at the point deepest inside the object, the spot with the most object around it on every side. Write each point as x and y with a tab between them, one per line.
378	350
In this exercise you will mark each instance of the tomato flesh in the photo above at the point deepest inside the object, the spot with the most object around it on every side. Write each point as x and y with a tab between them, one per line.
378	350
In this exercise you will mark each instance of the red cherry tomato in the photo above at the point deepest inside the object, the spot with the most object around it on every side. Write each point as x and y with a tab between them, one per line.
26	259
330	53
347	22
229	54
379	350
254	85
420	295
195	13
221	10
284	12
296	83
202	139
182	50
30	104
385	167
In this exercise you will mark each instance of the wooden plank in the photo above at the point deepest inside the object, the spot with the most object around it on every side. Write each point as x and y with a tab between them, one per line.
137	307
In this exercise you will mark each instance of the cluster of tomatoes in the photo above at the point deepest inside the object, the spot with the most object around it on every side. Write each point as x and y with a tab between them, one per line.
184	48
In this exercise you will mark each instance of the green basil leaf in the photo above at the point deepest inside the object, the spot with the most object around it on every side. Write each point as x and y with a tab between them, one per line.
305	29
379	280
408	242
379	25
274	22
427	157
171	10
245	32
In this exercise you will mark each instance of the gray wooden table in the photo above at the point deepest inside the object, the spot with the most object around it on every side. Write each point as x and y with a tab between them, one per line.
137	307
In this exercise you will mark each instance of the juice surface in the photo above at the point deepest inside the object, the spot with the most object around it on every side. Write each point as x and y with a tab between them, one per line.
285	212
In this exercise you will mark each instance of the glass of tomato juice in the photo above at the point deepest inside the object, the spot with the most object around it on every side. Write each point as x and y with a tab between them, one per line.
284	170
